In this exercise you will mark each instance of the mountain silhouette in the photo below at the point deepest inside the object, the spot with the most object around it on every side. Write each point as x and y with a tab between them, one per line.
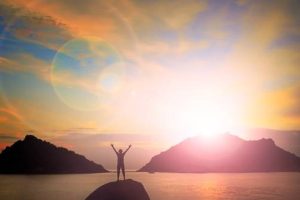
35	156
225	153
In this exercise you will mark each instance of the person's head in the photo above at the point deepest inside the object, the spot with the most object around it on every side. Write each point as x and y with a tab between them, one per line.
120	151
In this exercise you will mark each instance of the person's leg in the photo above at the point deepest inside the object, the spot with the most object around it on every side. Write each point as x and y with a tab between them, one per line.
123	171
118	171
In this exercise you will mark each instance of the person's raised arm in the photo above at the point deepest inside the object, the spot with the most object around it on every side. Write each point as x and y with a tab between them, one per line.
127	149
114	148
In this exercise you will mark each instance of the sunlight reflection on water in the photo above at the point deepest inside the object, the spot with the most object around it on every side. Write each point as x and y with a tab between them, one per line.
160	186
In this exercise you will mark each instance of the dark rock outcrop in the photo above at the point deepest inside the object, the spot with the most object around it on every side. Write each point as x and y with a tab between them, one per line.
120	190
35	156
226	153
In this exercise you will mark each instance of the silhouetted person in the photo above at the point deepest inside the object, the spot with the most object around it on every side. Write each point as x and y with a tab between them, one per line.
120	164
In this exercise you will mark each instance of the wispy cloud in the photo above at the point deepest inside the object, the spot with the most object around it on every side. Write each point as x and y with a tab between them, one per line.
7	137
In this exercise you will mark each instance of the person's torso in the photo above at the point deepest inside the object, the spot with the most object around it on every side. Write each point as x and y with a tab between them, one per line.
120	158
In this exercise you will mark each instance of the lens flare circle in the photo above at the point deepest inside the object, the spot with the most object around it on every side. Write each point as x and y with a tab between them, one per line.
86	72
104	91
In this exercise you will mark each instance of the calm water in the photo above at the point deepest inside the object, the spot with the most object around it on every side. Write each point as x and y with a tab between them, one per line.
160	186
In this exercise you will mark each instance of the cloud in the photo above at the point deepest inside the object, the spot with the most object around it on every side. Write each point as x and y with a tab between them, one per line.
23	24
175	15
123	23
95	18
265	69
12	125
7	137
293	110
7	111
25	63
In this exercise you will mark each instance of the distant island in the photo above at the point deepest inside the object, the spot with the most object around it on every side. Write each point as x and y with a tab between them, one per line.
35	156
225	153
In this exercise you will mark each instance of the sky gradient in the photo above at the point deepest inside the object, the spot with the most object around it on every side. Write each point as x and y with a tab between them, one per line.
84	74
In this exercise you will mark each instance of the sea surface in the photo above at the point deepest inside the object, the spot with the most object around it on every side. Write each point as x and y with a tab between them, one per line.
160	186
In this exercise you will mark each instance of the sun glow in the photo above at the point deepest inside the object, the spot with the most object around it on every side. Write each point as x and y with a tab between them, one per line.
207	114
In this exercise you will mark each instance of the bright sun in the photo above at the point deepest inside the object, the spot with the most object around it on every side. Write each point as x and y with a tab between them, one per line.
208	115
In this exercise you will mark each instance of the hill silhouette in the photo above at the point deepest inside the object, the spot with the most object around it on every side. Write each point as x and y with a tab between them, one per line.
225	153
35	156
120	190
